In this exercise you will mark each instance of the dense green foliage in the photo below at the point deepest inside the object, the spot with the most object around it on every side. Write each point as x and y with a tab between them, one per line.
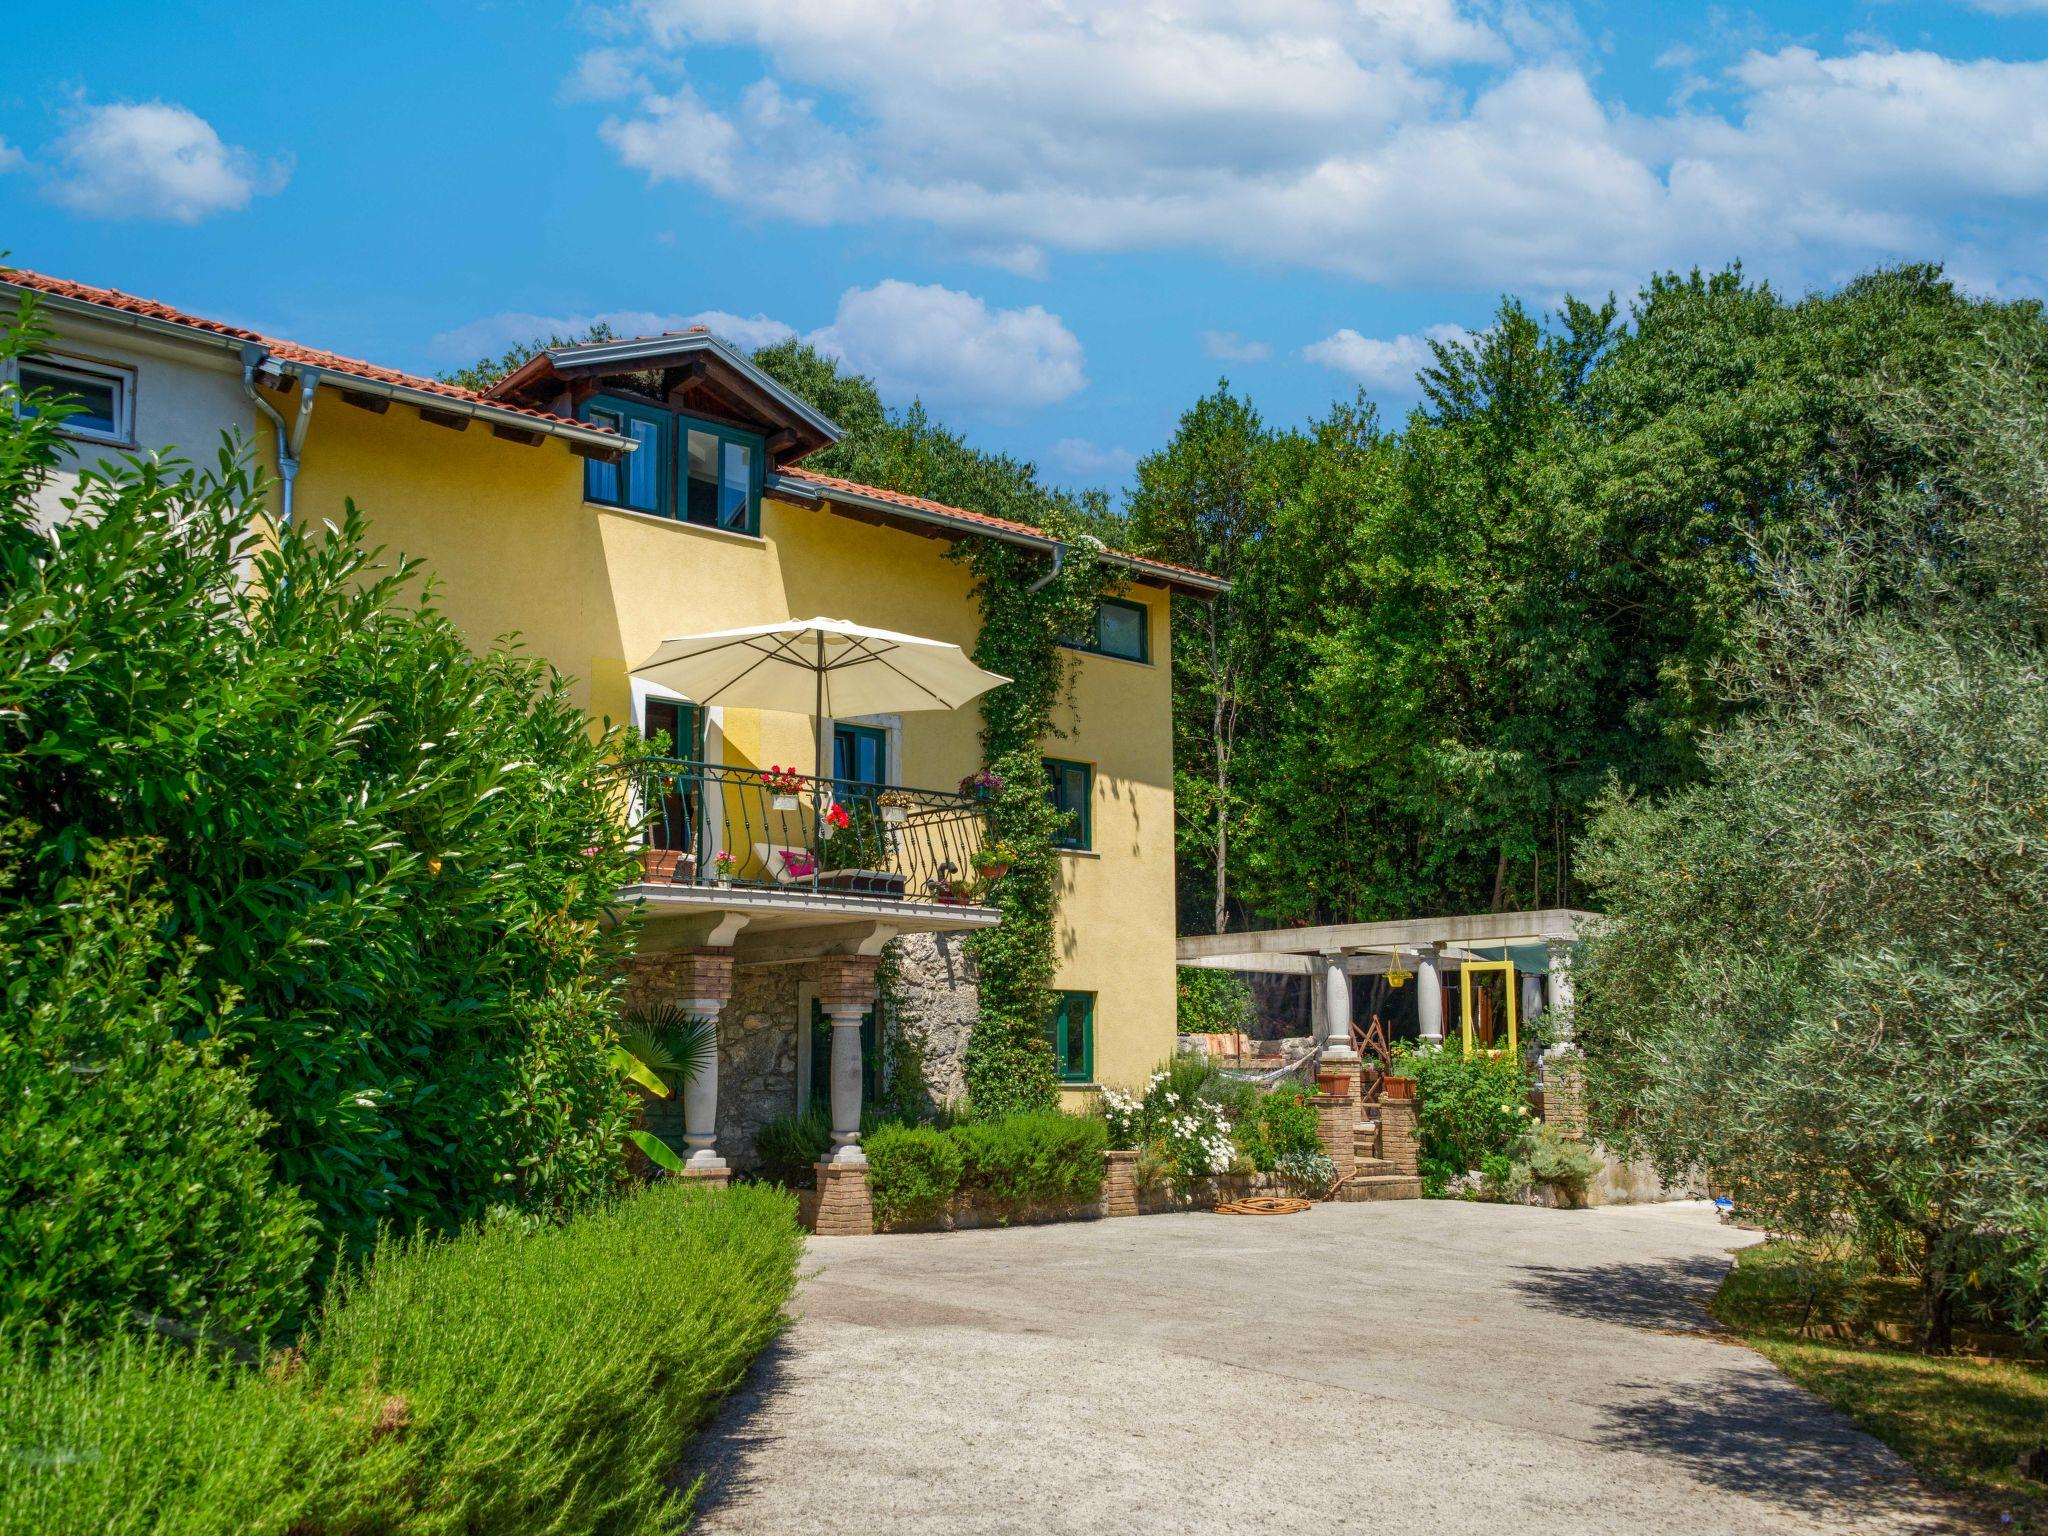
1823	978
526	1376
1014	1164
1277	1124
1208	1002
1445	639
394	858
1468	1109
135	1187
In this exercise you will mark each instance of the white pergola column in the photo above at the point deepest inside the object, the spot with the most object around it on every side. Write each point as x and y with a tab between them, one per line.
1561	997
1429	994
699	982
1336	984
846	1019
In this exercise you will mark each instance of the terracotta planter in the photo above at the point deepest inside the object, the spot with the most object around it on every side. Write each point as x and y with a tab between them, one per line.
667	864
1397	1088
1332	1082
992	871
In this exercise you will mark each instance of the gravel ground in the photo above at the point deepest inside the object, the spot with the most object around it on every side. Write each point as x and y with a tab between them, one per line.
1415	1366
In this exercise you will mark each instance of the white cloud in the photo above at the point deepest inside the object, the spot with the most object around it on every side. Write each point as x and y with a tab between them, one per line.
1085	461
946	347
605	74
950	348
1409	141
11	159
1389	364
2010	7
1233	348
1020	260
156	160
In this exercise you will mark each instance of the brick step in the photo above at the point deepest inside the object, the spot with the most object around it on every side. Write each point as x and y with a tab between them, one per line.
1385	1186
1375	1168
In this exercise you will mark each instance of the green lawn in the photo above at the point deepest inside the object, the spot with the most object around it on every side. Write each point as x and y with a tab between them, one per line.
1963	1420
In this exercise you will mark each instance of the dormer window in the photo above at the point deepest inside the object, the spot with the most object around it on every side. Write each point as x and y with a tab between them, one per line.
685	468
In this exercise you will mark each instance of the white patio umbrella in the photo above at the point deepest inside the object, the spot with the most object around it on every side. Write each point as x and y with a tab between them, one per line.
830	667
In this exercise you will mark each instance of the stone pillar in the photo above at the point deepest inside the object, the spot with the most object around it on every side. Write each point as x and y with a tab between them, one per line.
1564	1092
1397	1136
1337	1128
1120	1184
846	990
1336	1038
698	981
1429	994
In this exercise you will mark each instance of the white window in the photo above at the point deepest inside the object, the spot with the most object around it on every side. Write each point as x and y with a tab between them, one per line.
101	396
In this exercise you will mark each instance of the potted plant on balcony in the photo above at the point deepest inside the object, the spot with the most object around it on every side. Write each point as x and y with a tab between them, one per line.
994	861
785	786
835	820
675	864
896	805
984	785
724	865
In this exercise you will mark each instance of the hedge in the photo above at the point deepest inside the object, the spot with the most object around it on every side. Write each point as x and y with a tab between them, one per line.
1031	1160
519	1378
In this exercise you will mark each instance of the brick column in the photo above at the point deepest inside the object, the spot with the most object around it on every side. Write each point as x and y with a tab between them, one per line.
1398	1144
1337	1126
698	981
1120	1184
846	990
1564	1093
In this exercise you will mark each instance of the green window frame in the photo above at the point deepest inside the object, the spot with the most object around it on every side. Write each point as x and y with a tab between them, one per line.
1071	1034
639	482
716	508
1098	639
1071	788
852	747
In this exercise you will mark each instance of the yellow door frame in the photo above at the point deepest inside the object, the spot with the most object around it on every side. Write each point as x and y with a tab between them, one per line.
1465	970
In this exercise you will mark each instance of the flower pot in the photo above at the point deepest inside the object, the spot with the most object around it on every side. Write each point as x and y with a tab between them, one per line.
1398	1088
785	802
894	815
667	864
1333	1082
992	871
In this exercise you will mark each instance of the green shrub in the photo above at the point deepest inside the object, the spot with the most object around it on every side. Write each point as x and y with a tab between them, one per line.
522	1377
398	857
134	1187
1466	1108
1210	1002
1041	1158
913	1171
1277	1124
1566	1167
1312	1170
789	1147
138	1437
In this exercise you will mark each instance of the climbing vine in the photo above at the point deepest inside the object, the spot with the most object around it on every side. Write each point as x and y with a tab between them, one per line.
1009	1063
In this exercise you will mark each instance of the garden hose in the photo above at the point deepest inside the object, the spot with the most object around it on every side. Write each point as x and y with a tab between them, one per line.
1263	1205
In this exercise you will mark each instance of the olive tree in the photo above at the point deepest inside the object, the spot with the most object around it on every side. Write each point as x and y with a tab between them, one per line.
1824	978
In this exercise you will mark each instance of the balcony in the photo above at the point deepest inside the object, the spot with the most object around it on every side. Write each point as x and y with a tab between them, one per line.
745	855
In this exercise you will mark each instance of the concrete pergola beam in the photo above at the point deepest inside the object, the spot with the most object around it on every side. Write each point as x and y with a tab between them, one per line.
1303	950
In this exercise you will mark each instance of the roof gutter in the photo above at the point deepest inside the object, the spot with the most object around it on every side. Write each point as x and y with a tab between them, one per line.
803	490
355	384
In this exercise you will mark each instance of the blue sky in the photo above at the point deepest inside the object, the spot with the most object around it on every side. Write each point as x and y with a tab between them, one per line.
1058	223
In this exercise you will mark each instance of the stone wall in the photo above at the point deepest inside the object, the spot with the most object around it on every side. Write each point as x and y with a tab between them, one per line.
757	1055
941	999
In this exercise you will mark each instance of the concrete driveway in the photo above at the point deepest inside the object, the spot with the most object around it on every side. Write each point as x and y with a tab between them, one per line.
1418	1366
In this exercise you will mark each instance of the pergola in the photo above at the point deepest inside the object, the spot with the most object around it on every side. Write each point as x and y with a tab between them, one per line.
1520	943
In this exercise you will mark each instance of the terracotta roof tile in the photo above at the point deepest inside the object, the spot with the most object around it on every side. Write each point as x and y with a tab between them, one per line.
830	483
285	351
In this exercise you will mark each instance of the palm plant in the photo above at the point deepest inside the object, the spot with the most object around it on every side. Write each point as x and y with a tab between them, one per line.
663	1049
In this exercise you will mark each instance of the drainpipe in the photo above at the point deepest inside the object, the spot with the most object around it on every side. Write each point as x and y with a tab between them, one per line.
291	441
1059	561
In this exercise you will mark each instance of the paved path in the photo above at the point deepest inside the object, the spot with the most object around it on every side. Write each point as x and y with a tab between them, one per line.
1418	1367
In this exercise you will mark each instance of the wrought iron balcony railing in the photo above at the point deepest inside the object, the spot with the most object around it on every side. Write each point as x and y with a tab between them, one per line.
714	824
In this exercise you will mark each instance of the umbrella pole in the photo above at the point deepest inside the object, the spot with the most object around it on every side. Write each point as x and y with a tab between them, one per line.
818	778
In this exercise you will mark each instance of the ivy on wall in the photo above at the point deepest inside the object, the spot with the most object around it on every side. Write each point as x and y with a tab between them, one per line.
1009	1063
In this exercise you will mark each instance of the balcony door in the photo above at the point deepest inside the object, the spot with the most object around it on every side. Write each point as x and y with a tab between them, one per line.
860	762
677	728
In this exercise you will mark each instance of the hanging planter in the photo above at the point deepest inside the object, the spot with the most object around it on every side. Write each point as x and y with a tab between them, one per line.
834	821
984	786
785	787
895	806
994	861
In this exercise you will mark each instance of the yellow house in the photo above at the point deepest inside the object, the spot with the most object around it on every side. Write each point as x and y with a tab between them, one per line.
608	497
